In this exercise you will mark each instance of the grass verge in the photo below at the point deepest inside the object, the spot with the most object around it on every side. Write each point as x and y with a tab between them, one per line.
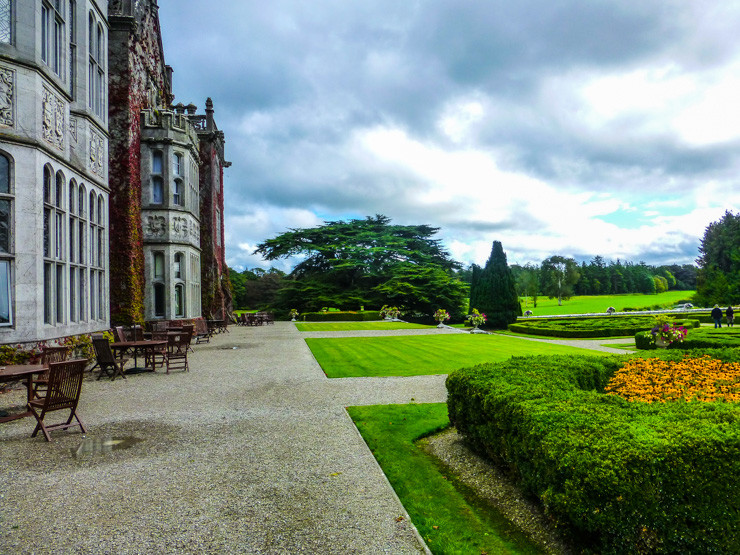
418	355
447	515
355	326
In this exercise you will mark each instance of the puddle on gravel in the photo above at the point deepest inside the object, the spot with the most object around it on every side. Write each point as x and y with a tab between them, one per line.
97	445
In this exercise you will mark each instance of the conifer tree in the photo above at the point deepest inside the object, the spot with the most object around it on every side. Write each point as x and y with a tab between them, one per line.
493	290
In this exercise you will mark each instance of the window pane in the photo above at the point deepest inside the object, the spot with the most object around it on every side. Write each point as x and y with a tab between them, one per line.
60	293
72	240
4	173
4	226
73	294
48	292
159	265
5	292
47	232
82	293
159	299
156	162
157	190
178	264
5	23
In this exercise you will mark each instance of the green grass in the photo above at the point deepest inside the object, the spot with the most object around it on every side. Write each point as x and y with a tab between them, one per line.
447	515
354	326
351	357
599	303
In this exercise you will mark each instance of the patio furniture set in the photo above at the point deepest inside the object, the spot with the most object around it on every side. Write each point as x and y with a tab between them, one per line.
55	382
255	319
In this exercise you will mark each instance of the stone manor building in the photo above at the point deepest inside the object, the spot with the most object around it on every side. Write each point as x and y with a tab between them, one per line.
111	199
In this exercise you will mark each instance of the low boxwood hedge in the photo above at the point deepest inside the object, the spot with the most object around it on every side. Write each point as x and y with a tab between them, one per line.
600	326
622	477
703	338
337	316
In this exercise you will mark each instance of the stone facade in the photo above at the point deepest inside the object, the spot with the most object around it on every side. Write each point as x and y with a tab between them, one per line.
217	302
163	256
110	198
53	200
170	216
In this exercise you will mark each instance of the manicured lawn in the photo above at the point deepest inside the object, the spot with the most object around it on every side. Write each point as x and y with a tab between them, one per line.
354	326
416	355
599	303
448	517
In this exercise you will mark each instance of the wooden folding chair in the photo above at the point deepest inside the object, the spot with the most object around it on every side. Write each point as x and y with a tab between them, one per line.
63	392
201	331
106	360
48	355
156	357
177	351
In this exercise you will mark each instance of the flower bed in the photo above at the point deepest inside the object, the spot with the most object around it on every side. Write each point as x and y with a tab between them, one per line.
624	477
604	326
690	379
703	338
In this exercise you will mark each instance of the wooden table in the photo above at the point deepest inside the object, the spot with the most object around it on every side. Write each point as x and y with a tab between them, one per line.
136	347
12	372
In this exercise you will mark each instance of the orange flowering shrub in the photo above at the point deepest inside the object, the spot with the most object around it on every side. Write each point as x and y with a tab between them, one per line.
691	379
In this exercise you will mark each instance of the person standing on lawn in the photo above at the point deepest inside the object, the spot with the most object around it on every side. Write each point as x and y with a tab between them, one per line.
730	313
717	316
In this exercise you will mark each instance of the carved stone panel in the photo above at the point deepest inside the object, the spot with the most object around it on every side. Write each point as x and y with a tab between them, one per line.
154	226
97	153
73	128
53	119
7	97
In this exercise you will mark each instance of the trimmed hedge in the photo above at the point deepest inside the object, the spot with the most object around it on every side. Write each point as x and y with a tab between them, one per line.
600	326
335	316
703	338
622	477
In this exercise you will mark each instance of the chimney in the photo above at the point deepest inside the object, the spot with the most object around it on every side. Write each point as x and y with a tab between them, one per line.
209	114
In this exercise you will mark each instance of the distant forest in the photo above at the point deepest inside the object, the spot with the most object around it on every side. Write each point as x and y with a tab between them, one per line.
602	277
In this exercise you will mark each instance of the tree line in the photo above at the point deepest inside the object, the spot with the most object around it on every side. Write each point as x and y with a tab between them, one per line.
372	262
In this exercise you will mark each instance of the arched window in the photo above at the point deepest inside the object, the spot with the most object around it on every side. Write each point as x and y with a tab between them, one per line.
177	193
96	81
157	179
180	300
6	247
53	35
159	299
178	265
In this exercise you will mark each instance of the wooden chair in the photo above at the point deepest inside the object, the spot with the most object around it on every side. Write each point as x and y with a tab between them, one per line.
48	355
106	360
65	384
269	318
201	331
190	330
156	357
119	334
177	351
135	333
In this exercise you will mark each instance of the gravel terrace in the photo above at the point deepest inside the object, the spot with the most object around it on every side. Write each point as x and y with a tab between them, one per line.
249	452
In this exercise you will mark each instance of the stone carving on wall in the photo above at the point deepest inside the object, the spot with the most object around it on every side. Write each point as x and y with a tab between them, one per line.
73	127
7	93
195	233
97	153
53	119
180	226
155	226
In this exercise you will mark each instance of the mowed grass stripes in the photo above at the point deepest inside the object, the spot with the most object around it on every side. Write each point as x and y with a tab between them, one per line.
417	355
355	326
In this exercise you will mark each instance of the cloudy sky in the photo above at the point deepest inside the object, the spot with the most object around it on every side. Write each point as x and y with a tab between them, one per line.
571	127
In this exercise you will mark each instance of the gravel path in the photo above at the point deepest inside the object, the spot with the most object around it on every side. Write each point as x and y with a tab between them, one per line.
249	452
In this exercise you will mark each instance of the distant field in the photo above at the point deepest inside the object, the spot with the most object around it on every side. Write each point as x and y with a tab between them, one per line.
355	326
599	303
417	355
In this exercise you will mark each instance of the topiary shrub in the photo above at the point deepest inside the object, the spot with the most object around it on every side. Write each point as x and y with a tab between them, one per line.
622	477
